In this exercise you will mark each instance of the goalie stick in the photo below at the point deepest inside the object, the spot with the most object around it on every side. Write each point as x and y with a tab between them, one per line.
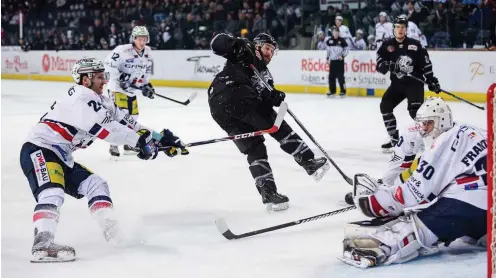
227	233
345	177
277	123
448	93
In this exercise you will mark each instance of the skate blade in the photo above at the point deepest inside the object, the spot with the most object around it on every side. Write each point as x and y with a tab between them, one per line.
390	150
362	264
331	96
277	207
114	157
317	175
130	153
42	257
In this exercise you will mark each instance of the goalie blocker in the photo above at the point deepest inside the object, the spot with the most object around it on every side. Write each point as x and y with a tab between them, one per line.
443	200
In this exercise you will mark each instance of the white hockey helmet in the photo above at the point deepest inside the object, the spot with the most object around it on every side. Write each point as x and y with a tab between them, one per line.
436	110
140	31
86	66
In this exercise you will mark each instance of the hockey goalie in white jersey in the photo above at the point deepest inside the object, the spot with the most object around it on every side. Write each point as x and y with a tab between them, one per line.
130	66
73	122
444	199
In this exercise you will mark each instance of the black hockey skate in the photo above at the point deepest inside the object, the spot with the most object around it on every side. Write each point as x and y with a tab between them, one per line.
114	152
273	200
130	150
45	251
388	146
315	167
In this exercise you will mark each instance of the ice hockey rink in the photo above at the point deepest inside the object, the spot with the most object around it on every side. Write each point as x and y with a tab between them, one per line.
168	206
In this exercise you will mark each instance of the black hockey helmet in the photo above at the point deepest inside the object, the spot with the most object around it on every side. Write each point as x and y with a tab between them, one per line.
262	38
401	19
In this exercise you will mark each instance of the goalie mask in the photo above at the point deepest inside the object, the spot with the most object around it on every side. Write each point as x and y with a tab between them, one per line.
433	118
87	67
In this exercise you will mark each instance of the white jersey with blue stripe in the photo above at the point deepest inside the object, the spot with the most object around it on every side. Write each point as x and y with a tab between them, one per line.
77	119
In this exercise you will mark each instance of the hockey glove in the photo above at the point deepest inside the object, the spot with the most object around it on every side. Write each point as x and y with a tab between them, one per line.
434	86
383	67
393	67
147	145
173	142
148	91
277	97
241	52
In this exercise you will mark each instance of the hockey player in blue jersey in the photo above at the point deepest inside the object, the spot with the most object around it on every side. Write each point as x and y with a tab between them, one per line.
444	199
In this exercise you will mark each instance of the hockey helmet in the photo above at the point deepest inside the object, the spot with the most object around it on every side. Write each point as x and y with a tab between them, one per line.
436	110
87	66
401	19
262	38
140	31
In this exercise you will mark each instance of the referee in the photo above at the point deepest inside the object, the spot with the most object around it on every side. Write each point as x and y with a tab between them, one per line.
337	49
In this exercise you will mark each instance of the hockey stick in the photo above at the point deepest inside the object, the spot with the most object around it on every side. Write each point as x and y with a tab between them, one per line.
346	178
277	123
446	92
191	97
227	233
186	102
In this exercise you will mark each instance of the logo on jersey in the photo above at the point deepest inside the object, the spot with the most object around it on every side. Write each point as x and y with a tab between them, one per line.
259	84
40	167
412	47
405	65
390	48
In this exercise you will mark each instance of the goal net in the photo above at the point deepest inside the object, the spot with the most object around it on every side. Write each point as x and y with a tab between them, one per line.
491	196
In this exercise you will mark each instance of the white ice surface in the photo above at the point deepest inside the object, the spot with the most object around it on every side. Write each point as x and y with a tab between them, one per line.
167	207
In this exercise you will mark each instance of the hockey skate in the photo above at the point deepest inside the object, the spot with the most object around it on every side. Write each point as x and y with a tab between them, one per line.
342	95
114	152
45	251
128	150
369	254
331	95
390	144
273	200
315	167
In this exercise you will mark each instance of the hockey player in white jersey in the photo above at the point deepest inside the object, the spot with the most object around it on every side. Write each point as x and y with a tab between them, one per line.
444	199
383	30
73	122
344	31
130	66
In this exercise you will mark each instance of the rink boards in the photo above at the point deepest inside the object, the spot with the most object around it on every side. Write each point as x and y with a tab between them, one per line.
465	73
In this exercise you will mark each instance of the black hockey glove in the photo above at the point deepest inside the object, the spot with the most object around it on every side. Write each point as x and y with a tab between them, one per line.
172	141
277	97
393	67
147	145
242	54
434	86
148	91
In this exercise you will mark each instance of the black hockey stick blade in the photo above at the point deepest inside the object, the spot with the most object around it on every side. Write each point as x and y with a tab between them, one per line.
448	93
186	102
228	234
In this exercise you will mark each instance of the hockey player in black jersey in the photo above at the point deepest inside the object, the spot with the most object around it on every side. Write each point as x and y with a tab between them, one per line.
240	103
402	56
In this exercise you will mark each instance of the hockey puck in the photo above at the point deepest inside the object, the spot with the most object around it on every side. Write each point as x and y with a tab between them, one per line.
349	199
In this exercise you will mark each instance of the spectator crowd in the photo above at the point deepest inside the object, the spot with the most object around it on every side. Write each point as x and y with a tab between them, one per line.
442	24
104	24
